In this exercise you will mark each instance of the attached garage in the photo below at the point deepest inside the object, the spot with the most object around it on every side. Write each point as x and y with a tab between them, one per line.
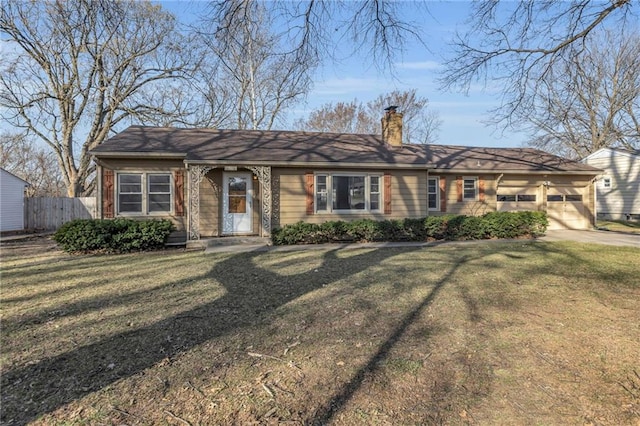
566	208
565	198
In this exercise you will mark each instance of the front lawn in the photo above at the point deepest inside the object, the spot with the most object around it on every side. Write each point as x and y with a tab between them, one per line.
479	333
620	226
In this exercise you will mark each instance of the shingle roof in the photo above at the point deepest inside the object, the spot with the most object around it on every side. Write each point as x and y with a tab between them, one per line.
501	159
305	148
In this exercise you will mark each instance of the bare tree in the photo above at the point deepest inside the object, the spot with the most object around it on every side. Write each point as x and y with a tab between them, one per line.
420	124
82	67
340	117
517	45
252	75
23	158
310	28
590	103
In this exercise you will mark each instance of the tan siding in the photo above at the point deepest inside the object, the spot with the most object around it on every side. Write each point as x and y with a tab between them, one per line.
210	191
180	222
408	189
471	208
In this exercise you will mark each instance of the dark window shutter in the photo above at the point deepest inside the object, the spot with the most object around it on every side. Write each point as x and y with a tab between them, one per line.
443	194
481	188
178	195
107	193
459	187
309	178
387	193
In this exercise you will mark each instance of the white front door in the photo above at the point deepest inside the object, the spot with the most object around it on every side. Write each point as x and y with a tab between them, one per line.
236	203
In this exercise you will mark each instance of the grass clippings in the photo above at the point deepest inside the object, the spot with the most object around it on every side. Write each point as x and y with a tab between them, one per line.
483	333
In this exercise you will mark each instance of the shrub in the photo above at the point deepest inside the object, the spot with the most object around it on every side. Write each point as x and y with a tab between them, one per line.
364	230
449	227
117	235
436	226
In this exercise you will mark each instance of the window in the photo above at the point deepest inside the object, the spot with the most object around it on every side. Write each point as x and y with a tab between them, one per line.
159	193
374	193
433	189
561	198
519	198
469	188
321	193
506	198
349	193
144	193
130	193
528	198
606	182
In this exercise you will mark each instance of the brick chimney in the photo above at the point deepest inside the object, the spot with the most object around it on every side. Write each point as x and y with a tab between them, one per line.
392	127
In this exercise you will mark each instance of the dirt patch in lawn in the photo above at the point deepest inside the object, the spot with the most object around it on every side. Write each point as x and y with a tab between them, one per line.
487	333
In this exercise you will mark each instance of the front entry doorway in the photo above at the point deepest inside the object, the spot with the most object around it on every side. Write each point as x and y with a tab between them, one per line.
236	205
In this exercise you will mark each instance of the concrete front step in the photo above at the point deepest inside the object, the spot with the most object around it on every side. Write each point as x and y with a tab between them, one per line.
219	242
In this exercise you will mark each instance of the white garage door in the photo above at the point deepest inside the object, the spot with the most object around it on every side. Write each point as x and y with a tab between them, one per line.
566	209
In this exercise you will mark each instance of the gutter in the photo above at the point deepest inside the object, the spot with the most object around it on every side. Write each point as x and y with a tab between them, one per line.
308	164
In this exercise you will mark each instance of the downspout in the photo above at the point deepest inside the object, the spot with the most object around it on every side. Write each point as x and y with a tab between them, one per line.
595	202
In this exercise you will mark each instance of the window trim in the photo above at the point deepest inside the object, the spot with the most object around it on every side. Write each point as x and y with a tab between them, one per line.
329	192
437	193
475	188
144	211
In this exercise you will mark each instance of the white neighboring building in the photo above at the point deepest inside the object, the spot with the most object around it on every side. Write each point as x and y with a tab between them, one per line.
618	187
11	201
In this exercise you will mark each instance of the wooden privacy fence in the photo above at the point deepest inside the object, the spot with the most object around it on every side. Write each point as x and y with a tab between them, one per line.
49	213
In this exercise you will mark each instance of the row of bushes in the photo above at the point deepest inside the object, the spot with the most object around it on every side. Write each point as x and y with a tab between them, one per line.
116	236
449	227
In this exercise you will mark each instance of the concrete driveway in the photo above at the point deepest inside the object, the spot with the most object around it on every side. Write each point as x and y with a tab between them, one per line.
600	237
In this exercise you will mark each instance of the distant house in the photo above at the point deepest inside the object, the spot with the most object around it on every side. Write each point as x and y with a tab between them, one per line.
214	183
11	201
618	187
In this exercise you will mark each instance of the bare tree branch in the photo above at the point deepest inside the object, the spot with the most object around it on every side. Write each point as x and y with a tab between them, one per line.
89	65
590	103
420	123
517	45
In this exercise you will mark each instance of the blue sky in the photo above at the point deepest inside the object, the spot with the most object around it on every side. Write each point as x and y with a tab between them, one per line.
462	115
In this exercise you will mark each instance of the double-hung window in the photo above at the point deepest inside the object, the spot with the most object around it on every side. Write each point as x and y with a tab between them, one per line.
159	190
144	193
347	193
130	193
470	189
433	188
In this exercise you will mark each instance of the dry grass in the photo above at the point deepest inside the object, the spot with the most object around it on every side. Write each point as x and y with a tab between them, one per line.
481	333
620	226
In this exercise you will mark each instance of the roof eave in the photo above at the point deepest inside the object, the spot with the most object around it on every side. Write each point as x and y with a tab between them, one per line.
515	171
329	164
137	154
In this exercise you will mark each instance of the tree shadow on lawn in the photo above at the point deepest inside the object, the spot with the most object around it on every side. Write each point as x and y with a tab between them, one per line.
251	294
